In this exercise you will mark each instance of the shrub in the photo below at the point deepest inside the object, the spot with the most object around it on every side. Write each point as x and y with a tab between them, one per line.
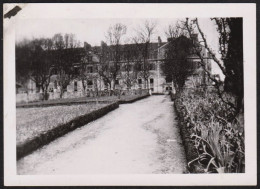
217	137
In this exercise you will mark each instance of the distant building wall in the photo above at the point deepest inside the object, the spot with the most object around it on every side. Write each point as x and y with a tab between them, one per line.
156	81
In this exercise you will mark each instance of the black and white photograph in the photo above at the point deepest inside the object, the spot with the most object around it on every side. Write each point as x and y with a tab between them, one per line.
130	93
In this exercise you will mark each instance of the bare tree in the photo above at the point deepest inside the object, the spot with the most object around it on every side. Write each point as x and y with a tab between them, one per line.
142	41
104	68
36	54
129	73
83	76
174	31
231	63
114	37
48	47
66	53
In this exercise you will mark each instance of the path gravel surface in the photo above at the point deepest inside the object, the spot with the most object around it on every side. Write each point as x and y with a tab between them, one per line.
137	138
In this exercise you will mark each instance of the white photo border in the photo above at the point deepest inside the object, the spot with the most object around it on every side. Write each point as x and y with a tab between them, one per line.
148	10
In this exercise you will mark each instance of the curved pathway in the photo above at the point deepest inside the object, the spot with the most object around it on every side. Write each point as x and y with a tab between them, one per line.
138	138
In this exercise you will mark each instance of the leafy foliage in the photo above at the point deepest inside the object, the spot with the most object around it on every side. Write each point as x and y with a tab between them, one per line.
219	142
176	67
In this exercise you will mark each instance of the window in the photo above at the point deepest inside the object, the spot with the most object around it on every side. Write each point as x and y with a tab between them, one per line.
139	81
138	67
166	88
128	67
116	82
75	86
54	71
151	80
90	83
76	70
155	55
90	69
55	84
89	58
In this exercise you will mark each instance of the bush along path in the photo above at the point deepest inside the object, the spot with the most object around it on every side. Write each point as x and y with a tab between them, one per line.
213	142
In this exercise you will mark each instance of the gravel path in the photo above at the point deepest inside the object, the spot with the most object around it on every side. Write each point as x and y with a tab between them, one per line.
138	138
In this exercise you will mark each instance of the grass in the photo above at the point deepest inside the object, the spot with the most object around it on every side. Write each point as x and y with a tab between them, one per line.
32	122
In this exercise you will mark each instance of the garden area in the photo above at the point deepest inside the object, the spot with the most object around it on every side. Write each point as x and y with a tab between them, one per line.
211	109
32	122
213	139
79	100
38	123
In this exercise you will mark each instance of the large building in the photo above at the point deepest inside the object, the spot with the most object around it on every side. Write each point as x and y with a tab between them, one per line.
132	72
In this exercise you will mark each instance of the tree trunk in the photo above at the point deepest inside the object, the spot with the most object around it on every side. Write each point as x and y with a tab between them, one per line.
61	92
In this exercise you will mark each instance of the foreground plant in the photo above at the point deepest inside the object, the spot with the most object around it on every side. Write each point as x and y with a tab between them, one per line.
219	140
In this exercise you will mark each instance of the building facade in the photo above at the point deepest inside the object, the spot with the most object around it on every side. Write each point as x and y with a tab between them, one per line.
133	70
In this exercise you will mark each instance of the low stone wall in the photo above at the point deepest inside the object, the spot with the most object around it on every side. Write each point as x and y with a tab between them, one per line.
45	138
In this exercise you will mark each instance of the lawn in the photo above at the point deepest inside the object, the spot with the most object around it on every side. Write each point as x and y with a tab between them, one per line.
32	122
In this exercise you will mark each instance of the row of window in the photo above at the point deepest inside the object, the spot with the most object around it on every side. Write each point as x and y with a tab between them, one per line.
139	67
128	55
90	83
94	68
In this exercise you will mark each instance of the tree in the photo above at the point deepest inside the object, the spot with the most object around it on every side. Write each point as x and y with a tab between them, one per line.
231	48
142	41
66	54
22	57
175	31
114	36
231	62
48	48
104	69
130	74
83	76
33	59
177	67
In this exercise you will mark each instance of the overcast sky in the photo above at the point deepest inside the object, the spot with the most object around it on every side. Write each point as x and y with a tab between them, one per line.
89	23
93	30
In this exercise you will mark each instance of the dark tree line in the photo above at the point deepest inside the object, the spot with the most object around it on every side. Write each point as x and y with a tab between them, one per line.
39	59
177	66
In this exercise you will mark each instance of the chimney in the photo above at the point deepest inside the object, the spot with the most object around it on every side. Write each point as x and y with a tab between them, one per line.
159	41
